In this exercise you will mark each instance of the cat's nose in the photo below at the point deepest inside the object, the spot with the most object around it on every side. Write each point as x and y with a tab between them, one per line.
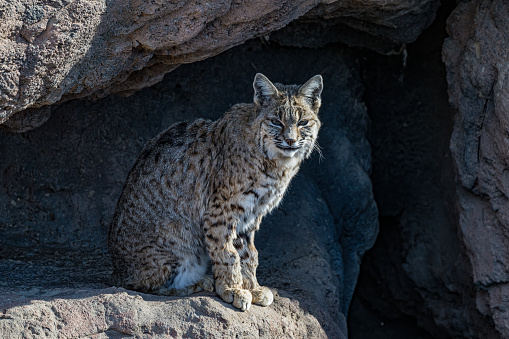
290	142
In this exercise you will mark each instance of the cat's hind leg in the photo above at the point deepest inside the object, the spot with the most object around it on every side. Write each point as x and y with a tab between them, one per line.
189	277
205	284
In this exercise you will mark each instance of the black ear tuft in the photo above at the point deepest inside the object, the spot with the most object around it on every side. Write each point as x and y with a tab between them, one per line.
263	88
312	91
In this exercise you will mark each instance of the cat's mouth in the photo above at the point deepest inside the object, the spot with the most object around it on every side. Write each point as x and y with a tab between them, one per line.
288	148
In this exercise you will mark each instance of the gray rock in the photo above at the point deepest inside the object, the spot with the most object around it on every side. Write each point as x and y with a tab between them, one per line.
28	119
419	270
117	313
345	161
382	26
476	60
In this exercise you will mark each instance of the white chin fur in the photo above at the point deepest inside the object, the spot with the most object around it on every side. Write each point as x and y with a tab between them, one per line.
288	153
274	152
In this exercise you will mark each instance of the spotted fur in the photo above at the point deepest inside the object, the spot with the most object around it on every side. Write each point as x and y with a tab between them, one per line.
198	192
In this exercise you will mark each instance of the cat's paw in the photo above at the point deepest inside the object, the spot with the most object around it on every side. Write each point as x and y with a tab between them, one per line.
207	283
242	299
262	296
239	298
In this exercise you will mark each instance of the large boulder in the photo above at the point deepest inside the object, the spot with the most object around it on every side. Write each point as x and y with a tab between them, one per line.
51	51
63	179
477	62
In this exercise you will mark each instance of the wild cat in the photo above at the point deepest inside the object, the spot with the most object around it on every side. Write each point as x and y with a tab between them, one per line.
199	191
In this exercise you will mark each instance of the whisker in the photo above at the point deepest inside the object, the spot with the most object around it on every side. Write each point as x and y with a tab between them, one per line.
318	148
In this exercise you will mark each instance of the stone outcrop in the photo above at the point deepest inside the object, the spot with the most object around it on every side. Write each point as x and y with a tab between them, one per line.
114	312
61	181
382	26
477	62
51	52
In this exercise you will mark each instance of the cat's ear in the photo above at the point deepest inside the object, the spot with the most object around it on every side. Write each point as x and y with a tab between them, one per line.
263	89
312	91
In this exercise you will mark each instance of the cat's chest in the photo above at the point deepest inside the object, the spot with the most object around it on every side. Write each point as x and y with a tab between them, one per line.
258	200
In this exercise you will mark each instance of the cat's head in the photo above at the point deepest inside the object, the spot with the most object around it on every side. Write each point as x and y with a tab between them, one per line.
288	116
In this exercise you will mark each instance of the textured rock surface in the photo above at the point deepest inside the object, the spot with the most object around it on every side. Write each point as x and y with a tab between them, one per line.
415	267
383	26
60	183
113	312
52	51
477	73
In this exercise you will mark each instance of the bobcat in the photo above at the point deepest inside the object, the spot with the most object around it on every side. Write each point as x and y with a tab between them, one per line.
199	190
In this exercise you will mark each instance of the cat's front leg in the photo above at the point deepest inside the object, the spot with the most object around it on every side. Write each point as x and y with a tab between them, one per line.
225	263
244	245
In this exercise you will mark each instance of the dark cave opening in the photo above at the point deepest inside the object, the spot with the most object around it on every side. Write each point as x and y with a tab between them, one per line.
414	186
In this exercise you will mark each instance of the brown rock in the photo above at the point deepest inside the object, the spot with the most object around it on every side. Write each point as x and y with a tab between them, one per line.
54	52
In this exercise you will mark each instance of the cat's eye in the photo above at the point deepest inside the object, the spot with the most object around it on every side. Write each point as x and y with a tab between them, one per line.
276	122
303	122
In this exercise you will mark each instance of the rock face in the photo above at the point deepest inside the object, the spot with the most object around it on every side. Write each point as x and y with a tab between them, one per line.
113	312
51	51
382	26
61	182
441	260
477	72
